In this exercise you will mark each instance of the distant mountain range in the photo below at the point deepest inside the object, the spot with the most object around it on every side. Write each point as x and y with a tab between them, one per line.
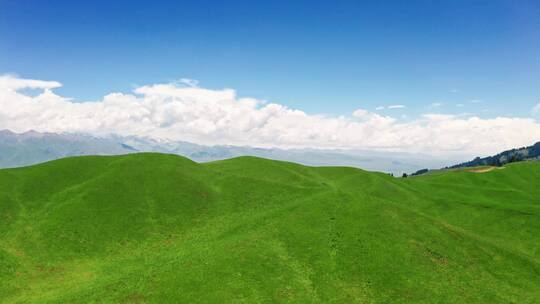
524	153
22	149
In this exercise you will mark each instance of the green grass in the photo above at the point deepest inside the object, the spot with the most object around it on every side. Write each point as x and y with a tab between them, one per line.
162	229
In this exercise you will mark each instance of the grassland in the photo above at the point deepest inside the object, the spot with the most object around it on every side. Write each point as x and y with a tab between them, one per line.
162	229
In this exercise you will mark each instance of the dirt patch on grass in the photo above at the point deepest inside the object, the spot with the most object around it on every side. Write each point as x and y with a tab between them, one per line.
484	169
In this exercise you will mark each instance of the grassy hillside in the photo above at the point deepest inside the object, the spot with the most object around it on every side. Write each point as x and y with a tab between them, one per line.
162	229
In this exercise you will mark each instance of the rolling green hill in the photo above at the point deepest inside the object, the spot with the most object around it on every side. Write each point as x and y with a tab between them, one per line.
162	229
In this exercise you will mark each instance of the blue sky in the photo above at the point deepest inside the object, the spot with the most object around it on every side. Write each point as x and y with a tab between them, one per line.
322	57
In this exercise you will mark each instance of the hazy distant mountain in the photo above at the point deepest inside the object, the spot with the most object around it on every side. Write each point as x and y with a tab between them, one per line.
21	149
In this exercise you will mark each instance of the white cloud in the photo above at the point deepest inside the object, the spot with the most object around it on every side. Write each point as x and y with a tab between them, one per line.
191	113
374	119
379	108
476	101
15	83
436	105
396	106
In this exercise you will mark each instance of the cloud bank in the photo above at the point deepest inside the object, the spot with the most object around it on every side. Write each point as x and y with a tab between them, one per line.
184	111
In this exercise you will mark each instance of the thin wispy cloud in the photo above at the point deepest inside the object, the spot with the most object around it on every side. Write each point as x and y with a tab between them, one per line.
436	105
397	106
476	101
536	109
189	82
